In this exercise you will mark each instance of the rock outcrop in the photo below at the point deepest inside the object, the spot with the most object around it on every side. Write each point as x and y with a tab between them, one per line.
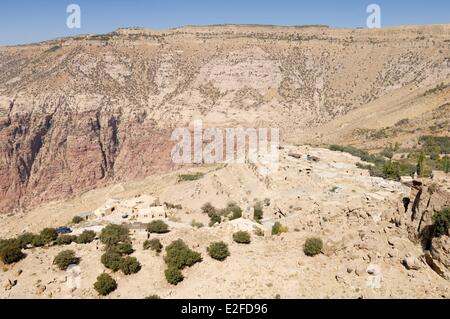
415	214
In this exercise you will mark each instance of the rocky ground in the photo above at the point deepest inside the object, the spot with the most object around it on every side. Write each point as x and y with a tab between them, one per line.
374	244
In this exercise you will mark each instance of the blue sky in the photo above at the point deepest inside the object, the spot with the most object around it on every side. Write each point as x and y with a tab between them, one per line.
25	21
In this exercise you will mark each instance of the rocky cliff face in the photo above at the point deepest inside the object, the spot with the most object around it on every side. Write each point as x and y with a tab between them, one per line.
414	217
53	155
80	112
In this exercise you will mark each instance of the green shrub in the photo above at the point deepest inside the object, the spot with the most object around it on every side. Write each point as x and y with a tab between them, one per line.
158	227
218	251
66	239
25	239
230	209
441	222
38	241
258	212
49	235
173	275
10	253
278	229
362	154
209	209
190	177
114	234
111	260
234	210
86	237
236	215
439	144
153	244
130	265
105	284
313	246
421	164
77	220
387	152
391	170
214	219
66	258
446	164
153	297
8	242
179	255
196	224
122	248
242	237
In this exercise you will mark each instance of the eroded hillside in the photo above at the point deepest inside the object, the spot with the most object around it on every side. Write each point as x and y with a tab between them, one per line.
76	112
375	233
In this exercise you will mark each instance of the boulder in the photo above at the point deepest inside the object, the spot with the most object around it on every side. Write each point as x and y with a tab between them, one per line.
412	263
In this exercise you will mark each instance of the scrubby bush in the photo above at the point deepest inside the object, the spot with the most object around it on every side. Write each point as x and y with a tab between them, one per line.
122	248
25	239
241	237
158	227
114	234
258	212
111	260
441	144
234	210
10	252
214	219
421	164
313	246
362	154
209	209
49	235
153	244
213	214
218	251
391	170
173	275
77	220
387	152
179	255
236	214
86	237
130	265
446	164
38	241
278	229
66	239
196	224
153	297
190	177
8	242
66	258
105	284
441	222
